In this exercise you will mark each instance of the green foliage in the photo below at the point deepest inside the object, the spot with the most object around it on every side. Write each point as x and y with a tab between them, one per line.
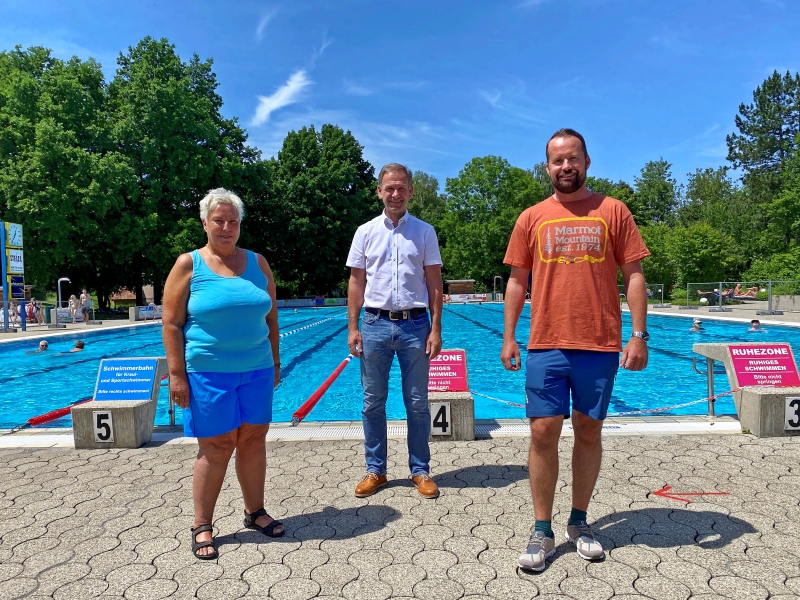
483	204
780	266
699	253
167	122
656	197
659	267
427	203
784	211
322	190
61	175
768	129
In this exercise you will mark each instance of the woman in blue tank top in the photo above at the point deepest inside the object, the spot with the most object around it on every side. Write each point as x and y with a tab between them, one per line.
221	337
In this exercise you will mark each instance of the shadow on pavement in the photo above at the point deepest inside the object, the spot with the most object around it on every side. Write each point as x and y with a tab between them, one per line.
327	524
670	528
489	476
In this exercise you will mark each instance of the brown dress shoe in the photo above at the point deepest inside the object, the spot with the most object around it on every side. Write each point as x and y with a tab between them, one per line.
427	488
371	483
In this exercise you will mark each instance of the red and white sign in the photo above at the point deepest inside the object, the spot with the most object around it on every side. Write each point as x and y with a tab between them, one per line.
764	364
448	372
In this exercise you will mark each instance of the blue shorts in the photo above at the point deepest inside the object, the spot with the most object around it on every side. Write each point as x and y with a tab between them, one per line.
221	402
552	374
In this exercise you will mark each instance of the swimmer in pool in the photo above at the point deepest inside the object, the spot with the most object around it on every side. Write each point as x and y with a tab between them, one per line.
755	327
697	326
43	346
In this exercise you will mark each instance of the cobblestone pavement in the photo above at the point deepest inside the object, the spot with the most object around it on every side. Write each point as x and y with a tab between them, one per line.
82	524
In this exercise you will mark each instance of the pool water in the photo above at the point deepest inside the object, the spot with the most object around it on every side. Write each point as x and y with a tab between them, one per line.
316	343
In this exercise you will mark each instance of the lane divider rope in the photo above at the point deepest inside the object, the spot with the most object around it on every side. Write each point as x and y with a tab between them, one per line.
630	412
282	335
306	407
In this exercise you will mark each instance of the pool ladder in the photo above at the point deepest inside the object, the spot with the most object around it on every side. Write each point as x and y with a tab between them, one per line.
709	373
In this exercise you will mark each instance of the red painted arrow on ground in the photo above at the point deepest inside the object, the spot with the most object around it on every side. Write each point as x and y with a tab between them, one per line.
677	495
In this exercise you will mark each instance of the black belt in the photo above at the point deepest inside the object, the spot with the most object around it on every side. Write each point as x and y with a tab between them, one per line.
397	315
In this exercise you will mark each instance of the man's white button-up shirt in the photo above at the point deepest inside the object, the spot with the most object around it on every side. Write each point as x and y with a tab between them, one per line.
394	258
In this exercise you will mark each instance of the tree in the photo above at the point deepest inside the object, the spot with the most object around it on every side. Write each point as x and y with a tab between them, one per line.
427	203
768	131
659	267
784	211
60	175
699	253
483	204
620	190
656	193
542	177
167	122
323	189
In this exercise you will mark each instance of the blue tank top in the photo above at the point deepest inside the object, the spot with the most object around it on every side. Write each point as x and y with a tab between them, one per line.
226	329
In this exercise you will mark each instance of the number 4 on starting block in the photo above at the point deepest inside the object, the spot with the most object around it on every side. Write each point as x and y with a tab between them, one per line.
441	421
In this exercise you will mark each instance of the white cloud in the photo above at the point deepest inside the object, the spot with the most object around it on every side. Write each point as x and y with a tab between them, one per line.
492	98
675	43
531	3
317	53
265	20
357	90
289	93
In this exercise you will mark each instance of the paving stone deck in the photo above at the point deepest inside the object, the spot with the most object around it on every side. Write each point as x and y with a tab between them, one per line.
115	524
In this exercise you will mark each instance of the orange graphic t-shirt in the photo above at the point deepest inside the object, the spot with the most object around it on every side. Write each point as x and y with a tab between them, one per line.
574	251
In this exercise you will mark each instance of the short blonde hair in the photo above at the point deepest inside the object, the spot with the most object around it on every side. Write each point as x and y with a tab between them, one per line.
219	196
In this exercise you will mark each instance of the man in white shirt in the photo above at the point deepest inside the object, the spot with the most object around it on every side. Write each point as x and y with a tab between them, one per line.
396	275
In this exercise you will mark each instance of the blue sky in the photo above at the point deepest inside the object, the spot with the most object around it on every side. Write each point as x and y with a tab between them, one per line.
435	83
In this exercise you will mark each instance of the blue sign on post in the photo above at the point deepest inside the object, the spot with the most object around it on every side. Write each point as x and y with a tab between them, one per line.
126	379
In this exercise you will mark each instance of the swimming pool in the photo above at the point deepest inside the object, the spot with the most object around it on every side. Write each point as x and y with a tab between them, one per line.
317	343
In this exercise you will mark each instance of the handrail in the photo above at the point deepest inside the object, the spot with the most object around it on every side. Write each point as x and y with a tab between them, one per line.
710	376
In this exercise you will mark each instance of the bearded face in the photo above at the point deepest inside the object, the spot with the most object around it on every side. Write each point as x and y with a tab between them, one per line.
569	179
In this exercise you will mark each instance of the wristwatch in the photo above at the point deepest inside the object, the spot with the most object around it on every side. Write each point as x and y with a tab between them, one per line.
642	335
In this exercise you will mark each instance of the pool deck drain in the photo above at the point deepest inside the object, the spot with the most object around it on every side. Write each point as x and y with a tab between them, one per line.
353	430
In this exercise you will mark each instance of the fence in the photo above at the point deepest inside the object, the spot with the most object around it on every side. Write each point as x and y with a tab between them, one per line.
760	297
655	295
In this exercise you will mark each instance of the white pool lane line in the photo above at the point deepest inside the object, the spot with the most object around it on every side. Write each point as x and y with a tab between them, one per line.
726	425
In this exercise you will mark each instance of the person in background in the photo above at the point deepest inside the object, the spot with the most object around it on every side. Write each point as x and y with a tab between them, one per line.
755	327
79	345
222	371
697	326
86	305
73	307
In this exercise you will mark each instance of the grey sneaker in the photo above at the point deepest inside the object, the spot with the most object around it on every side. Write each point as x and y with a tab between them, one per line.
539	548
580	535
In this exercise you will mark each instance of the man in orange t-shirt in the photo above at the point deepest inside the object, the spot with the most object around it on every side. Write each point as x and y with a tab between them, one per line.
573	243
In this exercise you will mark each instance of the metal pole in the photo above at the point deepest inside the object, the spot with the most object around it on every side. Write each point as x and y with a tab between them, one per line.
687	294
719	289
769	296
171	411
710	374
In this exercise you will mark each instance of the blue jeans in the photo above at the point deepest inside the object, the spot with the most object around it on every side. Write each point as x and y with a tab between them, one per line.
381	339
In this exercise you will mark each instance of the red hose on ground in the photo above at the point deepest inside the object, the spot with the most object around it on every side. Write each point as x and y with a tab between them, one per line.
305	408
54	414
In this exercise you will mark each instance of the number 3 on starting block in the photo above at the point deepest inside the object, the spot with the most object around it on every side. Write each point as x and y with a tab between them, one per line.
440	418
103	426
792	414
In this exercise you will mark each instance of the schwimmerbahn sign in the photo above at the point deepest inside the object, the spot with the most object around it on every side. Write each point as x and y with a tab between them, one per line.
13	266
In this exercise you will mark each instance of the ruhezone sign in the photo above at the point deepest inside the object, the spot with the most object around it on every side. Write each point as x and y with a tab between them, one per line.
126	379
764	364
448	372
